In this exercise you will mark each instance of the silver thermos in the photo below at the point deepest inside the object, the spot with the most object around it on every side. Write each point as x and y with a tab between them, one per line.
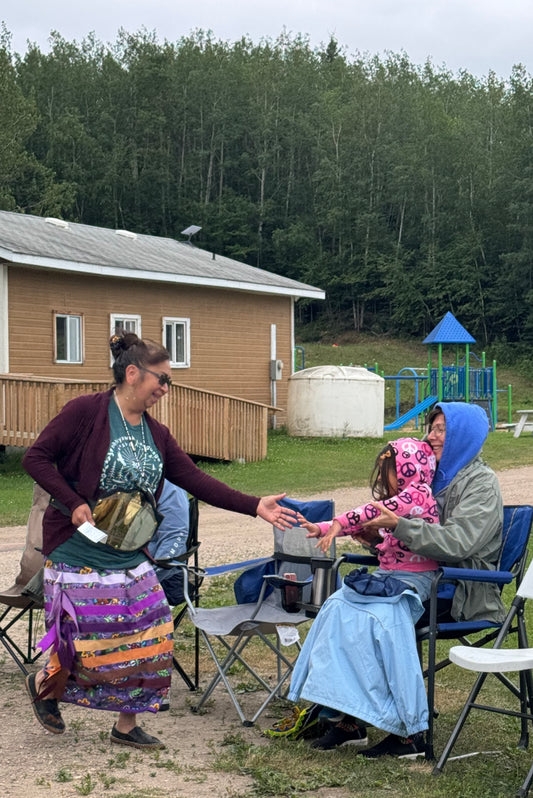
323	584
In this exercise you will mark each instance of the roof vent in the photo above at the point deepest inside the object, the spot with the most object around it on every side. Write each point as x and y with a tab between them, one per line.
126	234
57	222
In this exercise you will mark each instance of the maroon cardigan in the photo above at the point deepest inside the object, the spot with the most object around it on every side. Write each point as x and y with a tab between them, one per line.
71	449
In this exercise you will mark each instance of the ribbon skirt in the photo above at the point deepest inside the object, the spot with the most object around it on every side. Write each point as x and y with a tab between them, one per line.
111	631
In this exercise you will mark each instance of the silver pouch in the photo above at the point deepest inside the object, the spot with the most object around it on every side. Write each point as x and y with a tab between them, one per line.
128	519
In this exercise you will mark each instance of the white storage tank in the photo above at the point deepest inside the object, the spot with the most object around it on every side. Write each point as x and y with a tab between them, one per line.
336	401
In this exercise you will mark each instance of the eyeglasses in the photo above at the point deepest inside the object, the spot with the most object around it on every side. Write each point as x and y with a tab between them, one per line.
438	429
163	379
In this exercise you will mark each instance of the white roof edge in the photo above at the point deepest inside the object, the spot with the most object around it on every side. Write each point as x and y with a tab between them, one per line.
162	277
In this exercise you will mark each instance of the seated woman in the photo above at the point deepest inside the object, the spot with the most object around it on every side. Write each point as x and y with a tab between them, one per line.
360	656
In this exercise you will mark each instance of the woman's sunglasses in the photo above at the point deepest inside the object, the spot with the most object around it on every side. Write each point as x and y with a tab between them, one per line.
163	379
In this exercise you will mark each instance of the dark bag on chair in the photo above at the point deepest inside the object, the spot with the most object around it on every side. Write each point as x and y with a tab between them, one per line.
248	585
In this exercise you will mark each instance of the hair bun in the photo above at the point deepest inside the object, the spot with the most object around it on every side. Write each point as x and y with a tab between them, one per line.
122	341
116	345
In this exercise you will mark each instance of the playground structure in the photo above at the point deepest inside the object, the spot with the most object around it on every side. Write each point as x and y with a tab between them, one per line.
463	381
469	379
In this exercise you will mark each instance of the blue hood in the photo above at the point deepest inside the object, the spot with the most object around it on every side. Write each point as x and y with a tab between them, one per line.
467	427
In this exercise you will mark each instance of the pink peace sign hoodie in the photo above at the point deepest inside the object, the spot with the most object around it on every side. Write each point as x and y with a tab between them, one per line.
415	468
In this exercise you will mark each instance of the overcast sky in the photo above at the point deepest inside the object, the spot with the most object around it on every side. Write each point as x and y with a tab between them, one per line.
476	35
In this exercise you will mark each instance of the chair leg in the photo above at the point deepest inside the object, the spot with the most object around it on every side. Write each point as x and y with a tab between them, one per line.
196	658
19	657
193	683
524	789
233	655
526	681
460	723
432	657
16	656
190	684
524	702
222	676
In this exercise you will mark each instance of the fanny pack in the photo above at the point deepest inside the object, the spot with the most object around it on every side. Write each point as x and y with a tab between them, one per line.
128	519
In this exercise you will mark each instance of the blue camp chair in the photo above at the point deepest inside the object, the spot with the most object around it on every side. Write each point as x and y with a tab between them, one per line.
517	521
289	604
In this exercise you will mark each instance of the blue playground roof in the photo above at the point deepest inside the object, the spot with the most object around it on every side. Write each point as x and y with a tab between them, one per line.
449	331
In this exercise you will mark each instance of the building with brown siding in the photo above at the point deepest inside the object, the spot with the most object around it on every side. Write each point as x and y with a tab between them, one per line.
65	287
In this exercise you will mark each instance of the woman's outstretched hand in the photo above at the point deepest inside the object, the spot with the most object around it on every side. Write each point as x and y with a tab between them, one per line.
281	517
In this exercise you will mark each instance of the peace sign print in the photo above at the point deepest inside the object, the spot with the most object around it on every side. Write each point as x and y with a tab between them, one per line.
408	470
410	447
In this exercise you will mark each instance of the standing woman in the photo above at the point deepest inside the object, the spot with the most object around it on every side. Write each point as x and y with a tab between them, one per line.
109	624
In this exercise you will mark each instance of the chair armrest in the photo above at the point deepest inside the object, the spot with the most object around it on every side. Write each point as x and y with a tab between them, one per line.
476	575
171	562
358	559
187	569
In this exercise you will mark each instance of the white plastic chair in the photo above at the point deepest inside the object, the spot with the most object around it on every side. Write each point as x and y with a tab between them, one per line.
499	660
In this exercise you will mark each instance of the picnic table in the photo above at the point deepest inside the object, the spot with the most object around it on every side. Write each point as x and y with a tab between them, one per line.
525	422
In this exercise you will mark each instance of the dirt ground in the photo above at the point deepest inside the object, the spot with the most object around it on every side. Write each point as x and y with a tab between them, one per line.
82	761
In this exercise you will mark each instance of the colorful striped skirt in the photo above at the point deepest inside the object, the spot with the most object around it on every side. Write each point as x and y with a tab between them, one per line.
110	636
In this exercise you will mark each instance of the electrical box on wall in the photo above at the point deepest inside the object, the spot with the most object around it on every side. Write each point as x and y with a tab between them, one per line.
276	369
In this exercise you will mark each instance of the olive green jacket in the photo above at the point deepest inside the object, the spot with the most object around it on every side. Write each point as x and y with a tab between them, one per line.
469	536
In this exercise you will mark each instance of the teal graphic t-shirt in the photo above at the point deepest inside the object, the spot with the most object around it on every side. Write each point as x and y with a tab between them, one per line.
133	462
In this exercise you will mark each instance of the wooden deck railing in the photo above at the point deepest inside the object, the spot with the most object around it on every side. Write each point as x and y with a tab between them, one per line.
205	424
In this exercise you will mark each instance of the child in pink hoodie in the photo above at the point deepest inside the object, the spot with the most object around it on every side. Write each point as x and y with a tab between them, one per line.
404	470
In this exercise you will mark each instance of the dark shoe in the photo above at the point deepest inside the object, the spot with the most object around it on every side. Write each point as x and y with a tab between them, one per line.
46	710
400	747
343	733
136	738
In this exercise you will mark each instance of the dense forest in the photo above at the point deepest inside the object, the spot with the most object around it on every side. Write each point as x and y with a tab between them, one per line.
403	190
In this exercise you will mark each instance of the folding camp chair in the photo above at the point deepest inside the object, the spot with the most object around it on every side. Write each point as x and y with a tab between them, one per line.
499	660
195	578
271	616
180	518
20	613
517	521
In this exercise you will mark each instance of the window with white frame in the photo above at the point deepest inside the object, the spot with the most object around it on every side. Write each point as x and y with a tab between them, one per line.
125	322
176	338
68	343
